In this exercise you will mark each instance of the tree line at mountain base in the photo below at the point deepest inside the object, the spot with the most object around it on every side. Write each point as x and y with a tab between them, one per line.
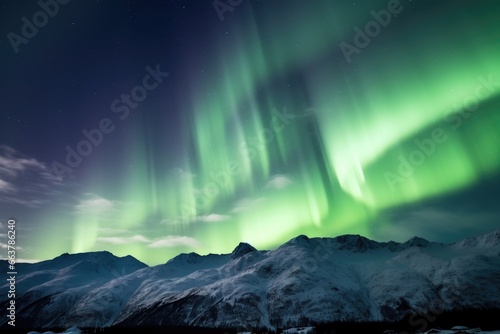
485	319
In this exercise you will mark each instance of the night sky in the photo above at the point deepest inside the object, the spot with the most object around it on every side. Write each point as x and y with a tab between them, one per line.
152	128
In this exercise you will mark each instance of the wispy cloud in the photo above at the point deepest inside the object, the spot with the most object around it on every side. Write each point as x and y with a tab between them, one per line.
112	231
279	181
168	221
181	174
12	163
92	203
124	240
247	204
25	180
4	239
4	245
6	186
169	241
21	260
175	241
213	218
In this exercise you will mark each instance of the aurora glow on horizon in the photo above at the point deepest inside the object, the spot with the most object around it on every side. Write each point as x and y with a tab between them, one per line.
262	130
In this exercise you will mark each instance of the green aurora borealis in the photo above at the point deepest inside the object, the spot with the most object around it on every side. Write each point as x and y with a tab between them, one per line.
281	135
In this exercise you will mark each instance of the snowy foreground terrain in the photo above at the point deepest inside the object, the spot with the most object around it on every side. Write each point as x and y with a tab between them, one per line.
72	330
307	330
319	279
461	330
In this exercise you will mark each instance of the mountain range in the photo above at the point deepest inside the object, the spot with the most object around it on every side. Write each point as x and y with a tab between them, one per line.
346	278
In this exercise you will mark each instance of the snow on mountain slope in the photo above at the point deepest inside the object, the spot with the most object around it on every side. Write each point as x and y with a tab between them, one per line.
54	286
349	277
460	330
483	241
103	304
324	279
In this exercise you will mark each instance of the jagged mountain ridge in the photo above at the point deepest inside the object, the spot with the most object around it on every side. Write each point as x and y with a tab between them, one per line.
324	279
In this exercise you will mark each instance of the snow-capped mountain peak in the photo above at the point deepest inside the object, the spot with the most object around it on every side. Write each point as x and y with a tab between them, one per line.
416	242
344	278
355	242
242	249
